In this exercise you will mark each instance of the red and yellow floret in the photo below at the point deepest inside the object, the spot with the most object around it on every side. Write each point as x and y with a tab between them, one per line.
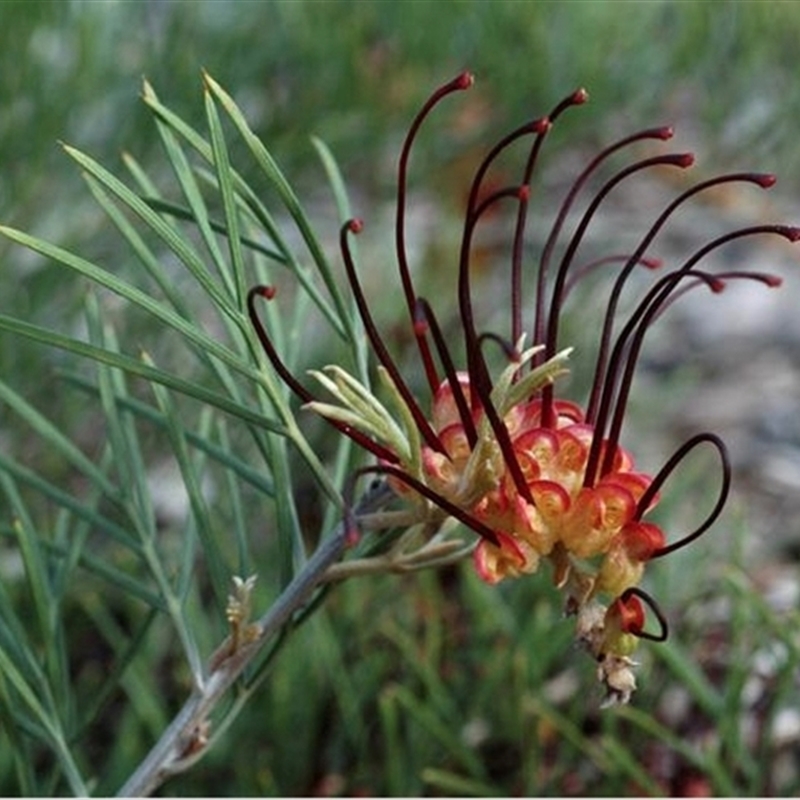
591	523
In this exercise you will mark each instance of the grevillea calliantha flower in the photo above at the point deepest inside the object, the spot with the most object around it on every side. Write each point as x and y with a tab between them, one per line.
539	478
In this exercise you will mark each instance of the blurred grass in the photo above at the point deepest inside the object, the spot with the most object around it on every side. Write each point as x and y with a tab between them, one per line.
433	683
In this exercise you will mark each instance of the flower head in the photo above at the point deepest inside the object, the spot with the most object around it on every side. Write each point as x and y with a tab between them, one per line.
537	477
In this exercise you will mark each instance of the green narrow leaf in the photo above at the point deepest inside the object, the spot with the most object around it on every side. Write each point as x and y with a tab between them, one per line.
440	700
233	493
225	182
739	673
35	568
334	178
166	284
116	578
440	730
139	175
202	147
193	528
686	671
706	761
126	672
68	501
291	550
360	343
452	785
304	275
396	775
175	122
125	444
68	765
330	659
215	562
19	751
194	197
627	762
181	212
120	432
16	646
568	730
221	454
287	195
166	232
348	458
140	249
56	440
104	278
49	723
134	367
251	201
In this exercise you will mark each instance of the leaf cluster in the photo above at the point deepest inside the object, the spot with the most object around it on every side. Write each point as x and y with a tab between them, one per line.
198	397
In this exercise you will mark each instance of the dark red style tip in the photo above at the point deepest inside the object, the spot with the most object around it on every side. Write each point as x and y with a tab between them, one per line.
464	80
766	180
715	284
651	263
267	292
790	232
541	125
579	96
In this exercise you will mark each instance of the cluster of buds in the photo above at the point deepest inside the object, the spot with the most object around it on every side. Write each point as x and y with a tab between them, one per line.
536	477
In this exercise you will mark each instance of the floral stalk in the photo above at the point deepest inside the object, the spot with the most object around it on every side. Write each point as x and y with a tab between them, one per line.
186	739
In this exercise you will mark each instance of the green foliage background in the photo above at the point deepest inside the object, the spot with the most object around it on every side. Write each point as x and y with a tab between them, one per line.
383	692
